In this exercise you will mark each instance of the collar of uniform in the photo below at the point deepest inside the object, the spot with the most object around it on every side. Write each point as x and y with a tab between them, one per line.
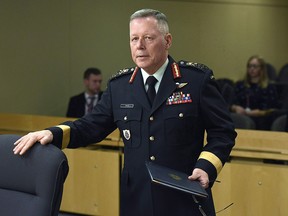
158	75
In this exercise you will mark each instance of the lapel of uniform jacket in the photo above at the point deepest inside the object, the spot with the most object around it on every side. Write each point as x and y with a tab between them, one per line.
82	104
166	88
138	91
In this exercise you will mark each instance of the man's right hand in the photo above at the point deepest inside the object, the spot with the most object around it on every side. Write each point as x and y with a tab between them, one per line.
27	141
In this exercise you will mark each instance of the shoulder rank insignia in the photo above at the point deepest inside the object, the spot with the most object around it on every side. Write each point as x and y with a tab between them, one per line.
133	75
176	70
194	64
122	72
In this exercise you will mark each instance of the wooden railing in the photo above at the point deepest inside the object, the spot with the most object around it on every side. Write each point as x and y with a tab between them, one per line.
11	123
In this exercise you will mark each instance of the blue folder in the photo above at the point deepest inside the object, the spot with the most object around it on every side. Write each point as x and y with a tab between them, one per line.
174	179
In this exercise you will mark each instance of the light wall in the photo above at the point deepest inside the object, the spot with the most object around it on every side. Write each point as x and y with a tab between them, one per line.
46	45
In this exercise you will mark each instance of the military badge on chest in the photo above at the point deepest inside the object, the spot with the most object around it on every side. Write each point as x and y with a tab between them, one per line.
126	134
179	98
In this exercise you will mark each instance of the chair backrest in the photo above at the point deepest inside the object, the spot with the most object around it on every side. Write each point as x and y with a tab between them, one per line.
222	81
243	121
279	124
271	72
31	184
226	87
283	74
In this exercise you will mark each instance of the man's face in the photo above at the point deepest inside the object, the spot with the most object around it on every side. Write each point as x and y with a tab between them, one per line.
93	83
149	47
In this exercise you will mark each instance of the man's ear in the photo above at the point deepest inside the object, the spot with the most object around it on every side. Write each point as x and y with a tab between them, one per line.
168	39
85	82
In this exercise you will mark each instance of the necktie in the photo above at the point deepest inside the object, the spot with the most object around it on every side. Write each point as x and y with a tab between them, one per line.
151	93
91	104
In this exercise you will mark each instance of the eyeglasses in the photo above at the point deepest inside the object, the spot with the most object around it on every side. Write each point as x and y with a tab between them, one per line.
199	206
253	66
201	209
225	208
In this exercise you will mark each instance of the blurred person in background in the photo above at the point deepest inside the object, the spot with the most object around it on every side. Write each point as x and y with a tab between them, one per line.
255	96
83	103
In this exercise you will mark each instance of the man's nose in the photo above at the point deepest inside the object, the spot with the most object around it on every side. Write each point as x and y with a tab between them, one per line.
140	43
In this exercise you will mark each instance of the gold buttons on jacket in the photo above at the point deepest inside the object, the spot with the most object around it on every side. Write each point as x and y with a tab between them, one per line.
151	118
125	118
152	158
151	138
181	115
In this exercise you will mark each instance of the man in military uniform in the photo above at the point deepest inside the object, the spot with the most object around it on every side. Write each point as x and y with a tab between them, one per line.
162	109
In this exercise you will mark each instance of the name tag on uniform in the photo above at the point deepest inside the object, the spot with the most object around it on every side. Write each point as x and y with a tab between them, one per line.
126	106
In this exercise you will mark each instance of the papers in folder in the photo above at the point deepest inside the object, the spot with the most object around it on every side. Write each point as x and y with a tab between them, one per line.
174	179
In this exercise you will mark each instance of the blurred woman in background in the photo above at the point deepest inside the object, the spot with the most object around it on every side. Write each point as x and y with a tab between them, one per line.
256	97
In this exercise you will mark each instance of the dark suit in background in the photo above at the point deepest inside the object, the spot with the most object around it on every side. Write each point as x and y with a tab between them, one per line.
77	105
286	129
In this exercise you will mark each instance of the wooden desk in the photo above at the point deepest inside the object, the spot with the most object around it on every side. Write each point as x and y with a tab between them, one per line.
93	185
250	181
261	145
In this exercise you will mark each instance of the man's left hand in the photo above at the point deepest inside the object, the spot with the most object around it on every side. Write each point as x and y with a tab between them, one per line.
201	176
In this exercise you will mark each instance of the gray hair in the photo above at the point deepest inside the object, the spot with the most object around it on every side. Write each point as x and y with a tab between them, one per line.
160	17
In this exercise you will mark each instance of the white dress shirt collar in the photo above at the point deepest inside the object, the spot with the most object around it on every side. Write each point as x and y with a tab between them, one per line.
158	75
